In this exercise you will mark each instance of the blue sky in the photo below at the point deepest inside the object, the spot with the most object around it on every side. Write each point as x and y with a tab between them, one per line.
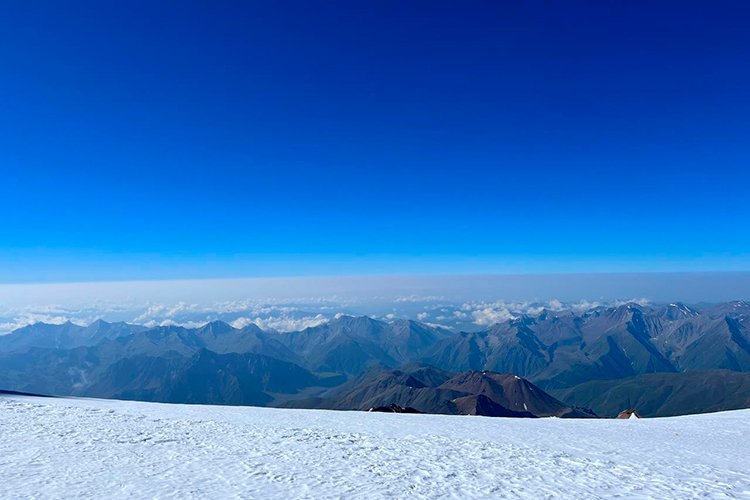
155	140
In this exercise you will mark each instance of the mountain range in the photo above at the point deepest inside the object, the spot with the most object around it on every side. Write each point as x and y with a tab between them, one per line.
664	360
561	349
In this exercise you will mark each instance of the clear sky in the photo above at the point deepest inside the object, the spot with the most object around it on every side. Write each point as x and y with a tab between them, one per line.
163	140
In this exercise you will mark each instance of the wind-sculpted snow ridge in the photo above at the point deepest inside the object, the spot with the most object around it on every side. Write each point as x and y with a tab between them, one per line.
77	448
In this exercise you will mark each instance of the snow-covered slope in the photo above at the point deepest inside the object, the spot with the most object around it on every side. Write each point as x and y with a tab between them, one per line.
77	448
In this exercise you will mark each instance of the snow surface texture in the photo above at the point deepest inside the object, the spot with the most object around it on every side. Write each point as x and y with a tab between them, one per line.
77	448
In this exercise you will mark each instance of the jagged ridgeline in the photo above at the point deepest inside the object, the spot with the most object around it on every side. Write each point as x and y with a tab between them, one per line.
663	361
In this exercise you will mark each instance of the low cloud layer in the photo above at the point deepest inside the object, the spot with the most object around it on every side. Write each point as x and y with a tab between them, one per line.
460	302
283	316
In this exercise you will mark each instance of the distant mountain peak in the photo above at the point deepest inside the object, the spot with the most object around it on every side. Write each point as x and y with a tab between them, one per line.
218	325
361	319
624	311
677	311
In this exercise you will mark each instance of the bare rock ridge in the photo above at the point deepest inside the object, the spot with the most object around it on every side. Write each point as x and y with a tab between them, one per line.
430	390
394	408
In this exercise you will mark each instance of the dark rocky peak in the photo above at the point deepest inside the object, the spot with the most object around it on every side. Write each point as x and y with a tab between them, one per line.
481	405
394	408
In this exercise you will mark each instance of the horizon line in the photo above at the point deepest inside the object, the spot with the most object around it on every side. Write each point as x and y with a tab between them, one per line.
385	275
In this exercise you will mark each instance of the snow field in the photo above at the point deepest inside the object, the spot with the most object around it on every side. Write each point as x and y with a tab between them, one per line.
78	448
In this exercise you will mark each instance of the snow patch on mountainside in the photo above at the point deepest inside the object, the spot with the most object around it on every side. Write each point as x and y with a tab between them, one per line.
77	448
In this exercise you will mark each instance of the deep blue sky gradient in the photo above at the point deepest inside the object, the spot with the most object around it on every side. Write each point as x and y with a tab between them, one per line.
148	140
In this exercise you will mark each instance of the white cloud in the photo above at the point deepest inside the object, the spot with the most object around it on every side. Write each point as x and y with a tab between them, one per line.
281	323
423	316
490	316
584	305
241	323
255	307
460	315
641	302
184	324
534	311
556	305
510	309
182	308
436	325
418	298
153	311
